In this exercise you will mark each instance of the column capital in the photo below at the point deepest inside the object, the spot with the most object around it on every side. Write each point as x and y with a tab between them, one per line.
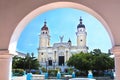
3	51
4	54
116	50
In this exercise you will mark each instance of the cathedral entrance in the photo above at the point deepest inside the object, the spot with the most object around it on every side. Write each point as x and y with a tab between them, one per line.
50	62
61	60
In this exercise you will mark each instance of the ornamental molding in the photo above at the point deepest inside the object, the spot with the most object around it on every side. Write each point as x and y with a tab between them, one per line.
116	50
4	51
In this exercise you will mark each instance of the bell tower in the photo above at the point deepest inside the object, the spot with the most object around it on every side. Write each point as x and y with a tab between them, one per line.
44	37
81	35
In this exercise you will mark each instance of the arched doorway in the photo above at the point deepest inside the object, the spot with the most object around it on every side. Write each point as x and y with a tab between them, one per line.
22	24
40	10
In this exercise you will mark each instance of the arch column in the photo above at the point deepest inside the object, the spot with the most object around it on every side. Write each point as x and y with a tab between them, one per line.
116	52
5	65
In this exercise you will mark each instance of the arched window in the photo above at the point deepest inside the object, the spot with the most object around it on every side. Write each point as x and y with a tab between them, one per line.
41	53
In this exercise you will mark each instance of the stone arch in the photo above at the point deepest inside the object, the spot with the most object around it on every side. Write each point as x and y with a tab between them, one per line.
50	6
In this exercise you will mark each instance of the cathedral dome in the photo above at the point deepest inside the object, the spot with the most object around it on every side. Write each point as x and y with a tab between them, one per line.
69	41
81	25
45	26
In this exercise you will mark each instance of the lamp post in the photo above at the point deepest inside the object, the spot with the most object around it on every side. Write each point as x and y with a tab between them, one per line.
24	63
46	74
46	64
54	64
29	60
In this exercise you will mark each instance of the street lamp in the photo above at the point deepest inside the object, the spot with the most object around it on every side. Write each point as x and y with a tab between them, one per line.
24	63
46	64
54	63
46	74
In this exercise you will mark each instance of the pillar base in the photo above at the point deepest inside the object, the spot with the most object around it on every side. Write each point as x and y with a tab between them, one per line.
116	52
5	65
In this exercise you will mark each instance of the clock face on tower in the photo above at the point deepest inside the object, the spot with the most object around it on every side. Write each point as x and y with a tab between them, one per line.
81	40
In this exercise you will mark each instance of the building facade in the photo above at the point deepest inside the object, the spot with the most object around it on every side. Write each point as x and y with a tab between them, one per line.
60	52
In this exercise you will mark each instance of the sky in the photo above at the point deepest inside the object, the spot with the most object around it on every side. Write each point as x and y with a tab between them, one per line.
63	22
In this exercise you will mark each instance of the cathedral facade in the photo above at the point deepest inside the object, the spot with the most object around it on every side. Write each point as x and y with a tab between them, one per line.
59	53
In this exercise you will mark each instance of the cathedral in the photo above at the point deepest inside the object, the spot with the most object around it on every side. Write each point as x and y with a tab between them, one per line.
59	53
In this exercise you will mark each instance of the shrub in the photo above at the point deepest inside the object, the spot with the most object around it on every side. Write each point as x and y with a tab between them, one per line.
52	73
33	71
43	69
70	70
18	72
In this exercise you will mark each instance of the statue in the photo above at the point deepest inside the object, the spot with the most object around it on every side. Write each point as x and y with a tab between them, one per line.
61	38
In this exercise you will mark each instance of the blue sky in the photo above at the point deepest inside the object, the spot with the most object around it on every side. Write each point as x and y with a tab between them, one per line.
63	22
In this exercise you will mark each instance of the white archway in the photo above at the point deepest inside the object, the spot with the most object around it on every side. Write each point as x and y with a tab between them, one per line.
40	10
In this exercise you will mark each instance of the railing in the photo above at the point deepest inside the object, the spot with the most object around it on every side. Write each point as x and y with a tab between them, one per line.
38	77
81	79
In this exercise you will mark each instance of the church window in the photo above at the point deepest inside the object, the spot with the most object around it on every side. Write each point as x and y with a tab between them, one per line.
50	62
55	55
41	53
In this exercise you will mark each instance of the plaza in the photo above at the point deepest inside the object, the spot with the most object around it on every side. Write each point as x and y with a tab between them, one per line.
24	78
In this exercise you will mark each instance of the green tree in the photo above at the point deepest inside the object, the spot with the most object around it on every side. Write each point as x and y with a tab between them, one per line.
15	62
96	52
81	61
95	60
103	62
29	62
